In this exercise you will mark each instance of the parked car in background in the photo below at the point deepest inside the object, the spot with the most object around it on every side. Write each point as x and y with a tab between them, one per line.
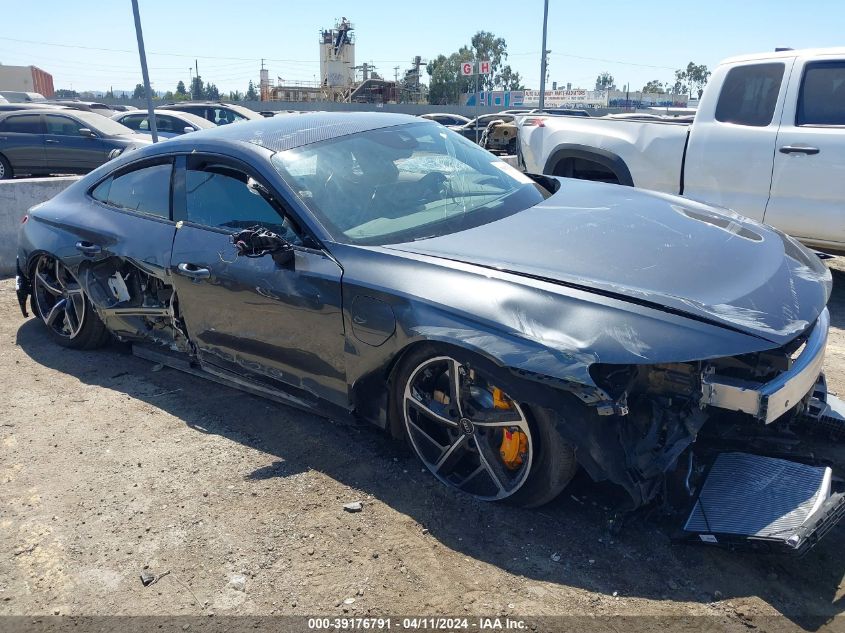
3	99
378	267
479	124
14	96
169	123
767	140
122	107
217	113
446	118
60	141
86	106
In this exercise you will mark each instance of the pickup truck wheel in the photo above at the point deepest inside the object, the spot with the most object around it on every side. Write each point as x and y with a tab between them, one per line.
474	437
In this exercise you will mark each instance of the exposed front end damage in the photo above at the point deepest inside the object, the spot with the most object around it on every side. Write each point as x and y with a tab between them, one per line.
740	445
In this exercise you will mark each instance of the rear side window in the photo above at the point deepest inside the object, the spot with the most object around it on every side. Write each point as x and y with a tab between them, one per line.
146	190
22	124
749	94
822	97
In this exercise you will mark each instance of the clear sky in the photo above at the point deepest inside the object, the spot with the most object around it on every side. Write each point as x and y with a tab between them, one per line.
634	40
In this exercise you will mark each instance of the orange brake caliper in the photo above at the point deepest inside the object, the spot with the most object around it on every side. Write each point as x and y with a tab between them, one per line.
514	442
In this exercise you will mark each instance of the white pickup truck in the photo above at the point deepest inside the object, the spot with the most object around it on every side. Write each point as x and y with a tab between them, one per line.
768	141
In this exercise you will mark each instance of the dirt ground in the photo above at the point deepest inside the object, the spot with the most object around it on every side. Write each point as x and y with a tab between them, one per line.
110	468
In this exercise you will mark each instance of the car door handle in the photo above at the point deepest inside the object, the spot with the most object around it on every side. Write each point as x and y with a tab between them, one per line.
88	248
52	140
193	271
798	149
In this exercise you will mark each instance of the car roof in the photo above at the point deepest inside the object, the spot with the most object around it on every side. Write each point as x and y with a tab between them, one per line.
281	133
30	107
836	51
179	114
62	111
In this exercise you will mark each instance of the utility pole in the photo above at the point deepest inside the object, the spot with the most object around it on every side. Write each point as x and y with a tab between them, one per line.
396	74
477	96
150	110
544	55
190	82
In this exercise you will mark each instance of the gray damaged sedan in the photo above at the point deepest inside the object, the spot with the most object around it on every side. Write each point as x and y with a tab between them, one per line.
511	328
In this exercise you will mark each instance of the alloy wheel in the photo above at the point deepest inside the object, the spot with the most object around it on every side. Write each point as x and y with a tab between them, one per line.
59	297
467	432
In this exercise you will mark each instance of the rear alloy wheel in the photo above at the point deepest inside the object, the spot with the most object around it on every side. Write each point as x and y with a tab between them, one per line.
59	300
473	436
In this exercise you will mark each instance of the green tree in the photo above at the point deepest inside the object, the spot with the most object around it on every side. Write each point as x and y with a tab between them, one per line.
64	93
691	80
510	80
446	83
197	88
605	81
251	94
236	95
653	86
180	88
211	93
169	96
139	93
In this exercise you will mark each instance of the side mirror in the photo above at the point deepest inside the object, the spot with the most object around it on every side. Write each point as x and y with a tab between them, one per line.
187	129
84	131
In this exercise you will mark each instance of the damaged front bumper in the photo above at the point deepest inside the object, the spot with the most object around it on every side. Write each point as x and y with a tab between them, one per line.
770	502
768	401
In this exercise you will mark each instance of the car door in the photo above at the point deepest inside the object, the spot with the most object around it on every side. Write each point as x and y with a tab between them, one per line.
126	224
22	142
731	149
807	197
69	151
254	316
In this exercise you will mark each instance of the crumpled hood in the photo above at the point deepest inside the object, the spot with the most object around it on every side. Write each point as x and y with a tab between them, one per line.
653	248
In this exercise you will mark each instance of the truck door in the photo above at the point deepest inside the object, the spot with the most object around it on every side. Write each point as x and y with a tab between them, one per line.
732	145
807	198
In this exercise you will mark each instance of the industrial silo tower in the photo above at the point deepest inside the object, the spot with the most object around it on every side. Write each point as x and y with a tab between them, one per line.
337	56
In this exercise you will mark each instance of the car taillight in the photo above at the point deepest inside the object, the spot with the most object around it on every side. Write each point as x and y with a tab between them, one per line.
535	121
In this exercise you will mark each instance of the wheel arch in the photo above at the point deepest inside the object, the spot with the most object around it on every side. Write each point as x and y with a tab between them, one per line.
518	370
610	161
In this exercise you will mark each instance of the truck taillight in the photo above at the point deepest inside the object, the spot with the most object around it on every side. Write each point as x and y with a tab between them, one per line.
535	121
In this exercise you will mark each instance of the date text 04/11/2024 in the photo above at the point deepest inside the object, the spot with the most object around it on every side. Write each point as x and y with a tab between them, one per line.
427	623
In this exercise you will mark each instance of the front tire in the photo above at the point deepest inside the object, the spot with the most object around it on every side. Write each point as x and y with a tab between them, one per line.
5	168
473	436
60	302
